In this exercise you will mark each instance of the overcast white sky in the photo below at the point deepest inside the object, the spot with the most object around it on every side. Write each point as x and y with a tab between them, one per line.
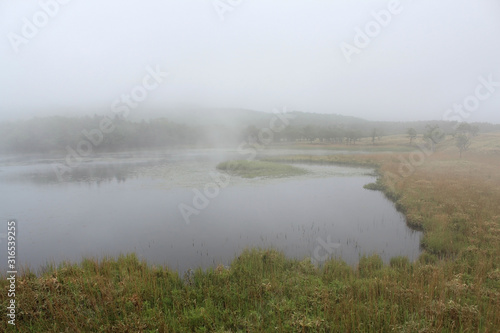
264	54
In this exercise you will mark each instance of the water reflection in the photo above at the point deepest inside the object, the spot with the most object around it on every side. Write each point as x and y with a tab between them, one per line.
130	204
119	167
100	169
90	173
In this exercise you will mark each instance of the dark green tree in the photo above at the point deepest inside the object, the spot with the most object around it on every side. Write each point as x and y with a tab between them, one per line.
412	134
463	141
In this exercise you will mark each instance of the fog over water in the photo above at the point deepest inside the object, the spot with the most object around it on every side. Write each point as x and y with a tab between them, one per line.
155	94
128	203
249	165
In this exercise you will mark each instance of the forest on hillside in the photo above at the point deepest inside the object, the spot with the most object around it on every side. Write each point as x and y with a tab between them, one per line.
55	134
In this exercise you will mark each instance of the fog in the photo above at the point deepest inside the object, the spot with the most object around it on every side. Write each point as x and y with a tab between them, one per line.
423	58
250	165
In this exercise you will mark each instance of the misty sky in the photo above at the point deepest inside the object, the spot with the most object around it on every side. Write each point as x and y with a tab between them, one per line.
263	54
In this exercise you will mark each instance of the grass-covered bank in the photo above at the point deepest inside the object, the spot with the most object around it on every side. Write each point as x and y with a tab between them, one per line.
453	287
455	201
261	291
366	161
252	169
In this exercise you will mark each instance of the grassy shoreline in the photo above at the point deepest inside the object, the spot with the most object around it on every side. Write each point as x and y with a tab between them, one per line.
253	169
453	287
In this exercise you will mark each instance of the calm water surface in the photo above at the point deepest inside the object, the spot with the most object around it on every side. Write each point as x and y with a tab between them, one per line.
123	203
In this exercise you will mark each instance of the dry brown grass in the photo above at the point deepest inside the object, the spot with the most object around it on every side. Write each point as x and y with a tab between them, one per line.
456	201
453	287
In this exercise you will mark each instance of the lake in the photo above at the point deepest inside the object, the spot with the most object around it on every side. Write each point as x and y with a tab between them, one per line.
134	202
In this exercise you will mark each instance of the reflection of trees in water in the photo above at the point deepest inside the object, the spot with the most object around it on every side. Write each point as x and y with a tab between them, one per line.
89	173
104	173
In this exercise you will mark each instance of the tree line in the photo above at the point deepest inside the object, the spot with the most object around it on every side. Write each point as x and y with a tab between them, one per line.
55	134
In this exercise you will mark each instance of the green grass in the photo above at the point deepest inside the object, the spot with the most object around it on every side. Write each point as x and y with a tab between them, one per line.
252	169
454	286
261	291
345	160
363	147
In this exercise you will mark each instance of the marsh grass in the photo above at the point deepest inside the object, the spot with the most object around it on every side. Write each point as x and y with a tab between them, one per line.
253	169
454	286
262	290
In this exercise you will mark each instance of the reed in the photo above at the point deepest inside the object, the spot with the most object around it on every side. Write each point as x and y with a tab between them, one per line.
453	287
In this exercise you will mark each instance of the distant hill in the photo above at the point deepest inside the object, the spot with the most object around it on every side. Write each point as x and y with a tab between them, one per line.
224	117
196	127
241	118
